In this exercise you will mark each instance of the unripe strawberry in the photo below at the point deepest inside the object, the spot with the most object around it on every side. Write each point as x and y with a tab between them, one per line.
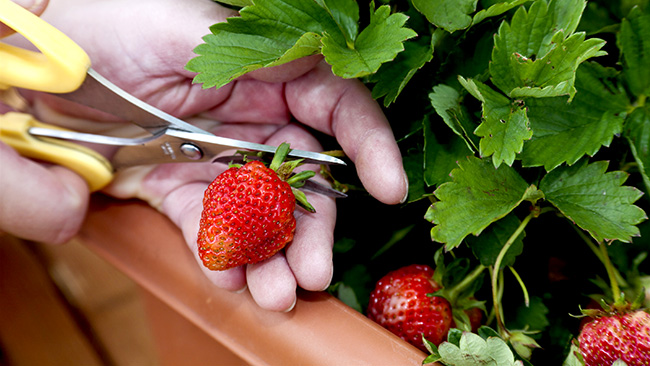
402	303
618	336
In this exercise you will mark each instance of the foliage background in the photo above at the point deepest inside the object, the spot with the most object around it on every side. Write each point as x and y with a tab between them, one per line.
504	111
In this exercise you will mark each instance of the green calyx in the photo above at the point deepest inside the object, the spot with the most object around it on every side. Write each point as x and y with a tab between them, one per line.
284	169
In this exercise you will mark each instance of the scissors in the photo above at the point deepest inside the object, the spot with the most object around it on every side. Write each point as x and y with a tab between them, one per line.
63	68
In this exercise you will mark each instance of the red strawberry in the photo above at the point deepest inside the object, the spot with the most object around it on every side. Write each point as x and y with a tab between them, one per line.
247	216
617	336
402	303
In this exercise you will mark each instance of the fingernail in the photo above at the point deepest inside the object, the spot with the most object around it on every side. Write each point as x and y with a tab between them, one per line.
30	5
241	289
295	299
406	184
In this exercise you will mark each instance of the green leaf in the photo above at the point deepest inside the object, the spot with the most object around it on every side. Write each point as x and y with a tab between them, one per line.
574	358
392	77
478	195
496	10
447	103
241	3
413	162
379	42
537	54
596	201
532	317
345	14
441	155
474	350
637	132
451	15
487	246
346	294
564	132
504	125
634	43
272	32
260	38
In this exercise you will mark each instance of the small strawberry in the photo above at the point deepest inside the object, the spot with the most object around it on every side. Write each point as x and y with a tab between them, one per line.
248	213
624	336
402	303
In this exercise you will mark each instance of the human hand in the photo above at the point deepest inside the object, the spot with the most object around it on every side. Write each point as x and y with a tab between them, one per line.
38	202
146	55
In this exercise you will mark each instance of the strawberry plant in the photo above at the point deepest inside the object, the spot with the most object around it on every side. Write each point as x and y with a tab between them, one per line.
525	134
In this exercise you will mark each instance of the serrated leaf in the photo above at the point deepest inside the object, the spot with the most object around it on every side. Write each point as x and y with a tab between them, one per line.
478	195
447	103
504	125
272	32
451	15
260	37
564	132
595	200
379	42
537	54
474	350
346	14
488	245
634	43
496	10
392	77
637	132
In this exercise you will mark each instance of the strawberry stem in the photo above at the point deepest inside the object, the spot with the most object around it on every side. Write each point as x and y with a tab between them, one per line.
522	284
497	269
280	154
616	290
616	280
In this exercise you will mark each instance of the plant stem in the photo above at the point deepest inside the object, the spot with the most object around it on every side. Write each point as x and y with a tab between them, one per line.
497	269
604	259
467	281
616	291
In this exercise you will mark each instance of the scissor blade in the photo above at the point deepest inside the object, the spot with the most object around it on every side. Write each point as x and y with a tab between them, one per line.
309	185
99	93
211	146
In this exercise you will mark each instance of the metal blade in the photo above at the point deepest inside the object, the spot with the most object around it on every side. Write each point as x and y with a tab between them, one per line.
212	146
99	93
309	185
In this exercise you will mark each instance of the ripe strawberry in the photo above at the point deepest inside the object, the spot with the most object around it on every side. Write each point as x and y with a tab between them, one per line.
402	303
617	336
247	215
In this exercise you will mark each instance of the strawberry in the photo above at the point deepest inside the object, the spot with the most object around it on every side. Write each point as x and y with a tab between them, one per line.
248	213
402	303
624	336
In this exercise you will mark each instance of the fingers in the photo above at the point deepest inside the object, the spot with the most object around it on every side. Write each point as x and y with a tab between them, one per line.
39	203
35	6
177	190
272	284
345	109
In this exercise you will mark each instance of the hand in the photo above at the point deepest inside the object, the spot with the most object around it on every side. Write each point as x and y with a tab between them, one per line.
38	202
146	56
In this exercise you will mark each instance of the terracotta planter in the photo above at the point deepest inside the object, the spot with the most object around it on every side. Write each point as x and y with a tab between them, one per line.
321	330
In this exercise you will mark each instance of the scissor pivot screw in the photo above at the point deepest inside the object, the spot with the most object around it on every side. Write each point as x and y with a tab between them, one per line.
191	151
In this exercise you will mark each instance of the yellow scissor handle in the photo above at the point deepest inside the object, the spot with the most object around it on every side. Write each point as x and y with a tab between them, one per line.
59	67
93	167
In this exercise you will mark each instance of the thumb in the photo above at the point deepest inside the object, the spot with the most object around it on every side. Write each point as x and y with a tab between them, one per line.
35	6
